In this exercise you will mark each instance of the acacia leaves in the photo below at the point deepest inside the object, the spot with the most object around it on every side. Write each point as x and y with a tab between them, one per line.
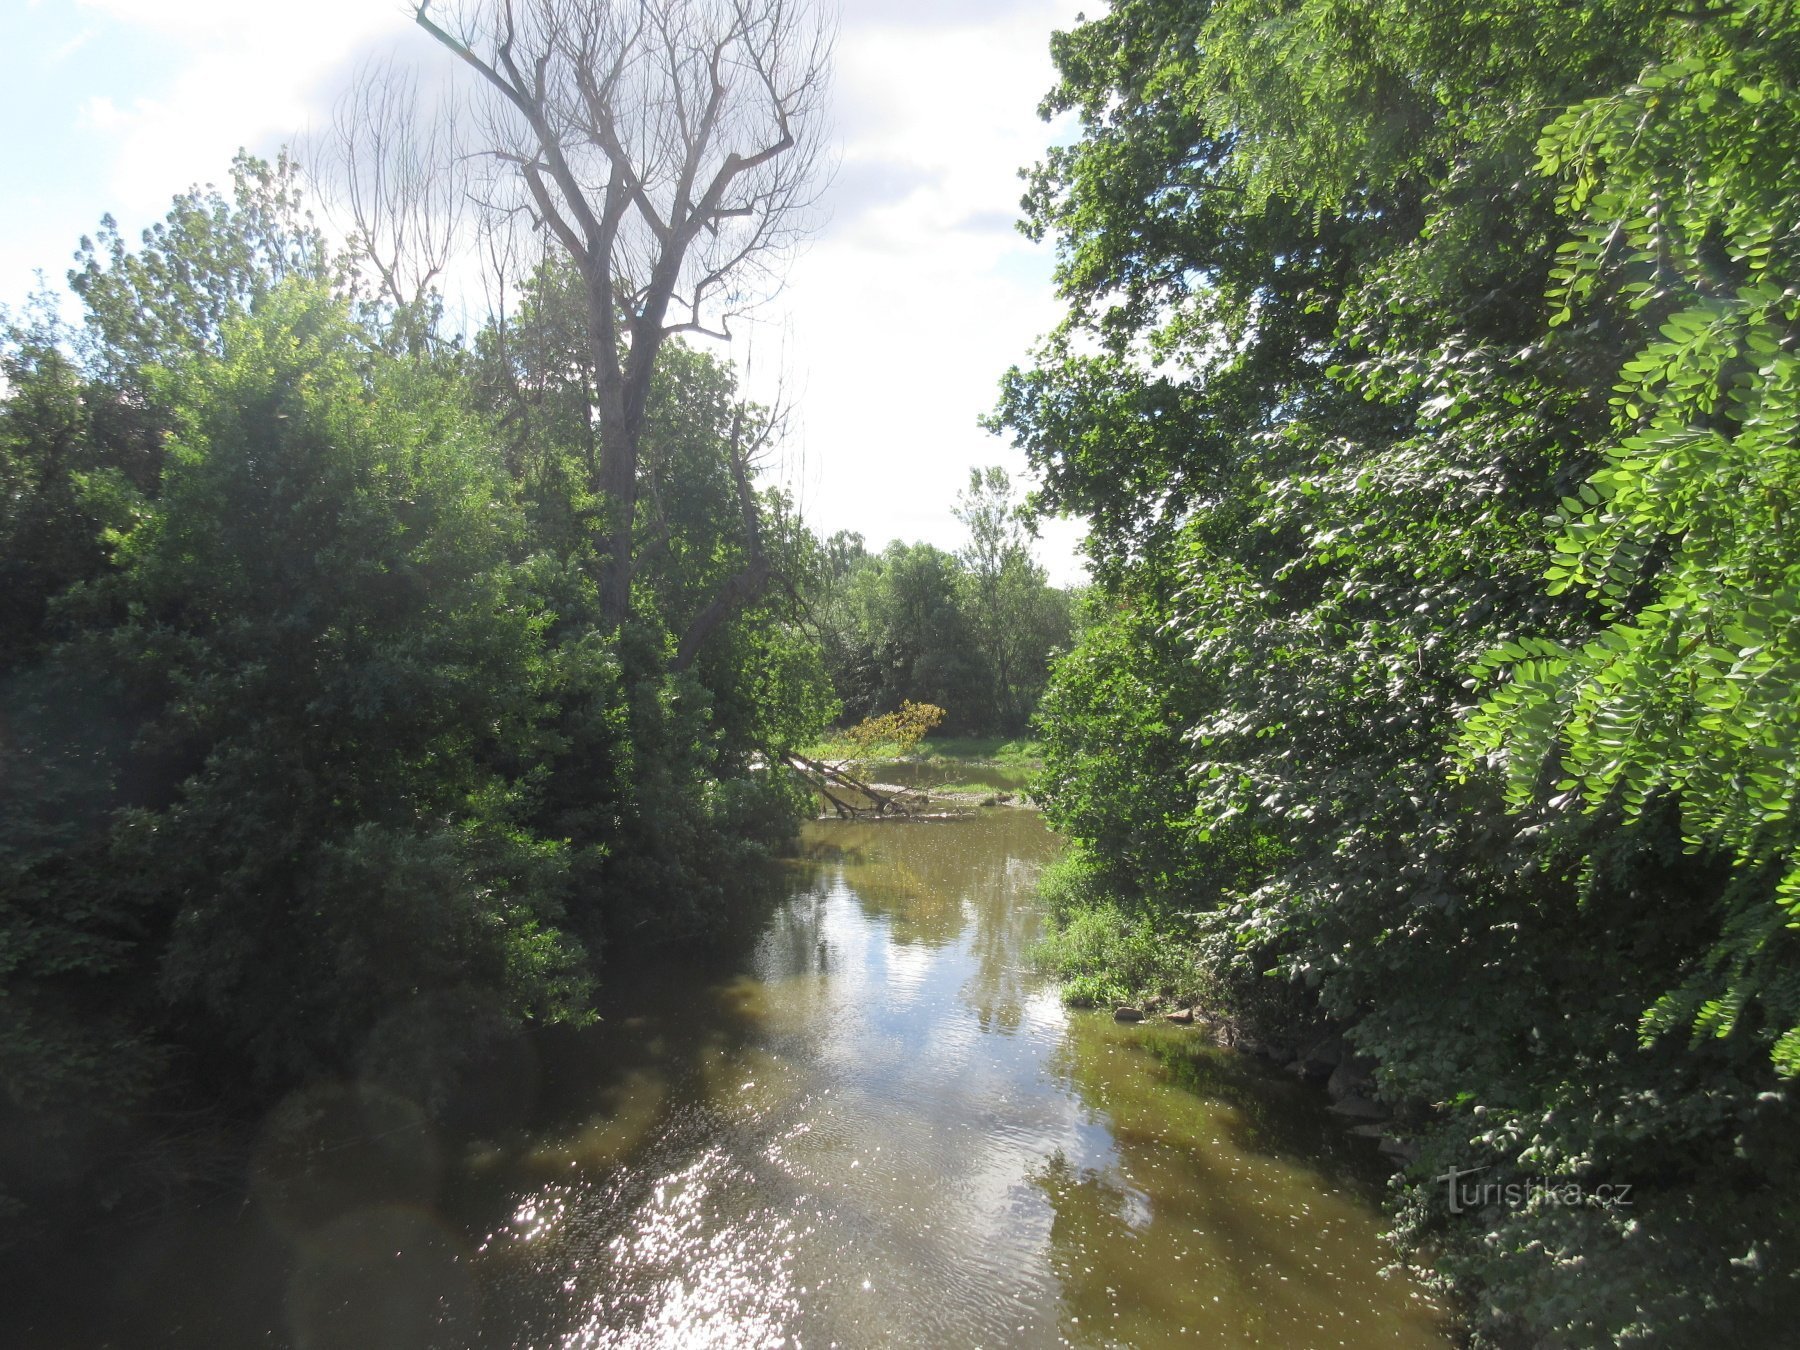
1428	377
1680	188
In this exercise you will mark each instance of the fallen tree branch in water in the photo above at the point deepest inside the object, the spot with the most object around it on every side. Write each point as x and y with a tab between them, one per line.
883	801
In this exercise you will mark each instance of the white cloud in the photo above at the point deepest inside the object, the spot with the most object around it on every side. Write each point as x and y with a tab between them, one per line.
67	49
101	114
249	79
908	307
318	25
896	322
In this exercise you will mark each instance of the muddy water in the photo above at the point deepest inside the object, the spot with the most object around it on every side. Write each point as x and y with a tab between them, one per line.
938	773
875	1126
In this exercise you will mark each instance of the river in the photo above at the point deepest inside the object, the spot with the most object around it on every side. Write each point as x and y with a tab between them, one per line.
872	1125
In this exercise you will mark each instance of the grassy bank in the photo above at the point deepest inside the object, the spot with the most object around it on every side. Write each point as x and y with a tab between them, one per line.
1002	751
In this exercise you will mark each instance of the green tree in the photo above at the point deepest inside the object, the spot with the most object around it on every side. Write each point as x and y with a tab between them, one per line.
313	727
1017	618
211	258
48	444
923	645
81	407
85	1044
691	802
835	597
321	610
269	787
1309	397
1682	204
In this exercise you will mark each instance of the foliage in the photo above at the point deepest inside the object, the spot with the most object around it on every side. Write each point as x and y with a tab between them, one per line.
314	736
686	810
1105	956
319	604
1682	197
1310	395
893	735
1017	619
210	259
972	632
894	628
51	438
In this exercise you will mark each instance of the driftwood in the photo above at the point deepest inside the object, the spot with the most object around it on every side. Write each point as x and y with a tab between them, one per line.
835	784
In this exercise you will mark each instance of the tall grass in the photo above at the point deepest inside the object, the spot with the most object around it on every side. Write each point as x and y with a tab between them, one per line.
1105	955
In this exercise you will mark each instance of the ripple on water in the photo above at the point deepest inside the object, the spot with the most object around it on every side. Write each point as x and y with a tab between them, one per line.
877	1127
897	1135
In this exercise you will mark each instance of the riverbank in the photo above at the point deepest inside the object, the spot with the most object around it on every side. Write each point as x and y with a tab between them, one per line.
874	1122
938	781
1016	754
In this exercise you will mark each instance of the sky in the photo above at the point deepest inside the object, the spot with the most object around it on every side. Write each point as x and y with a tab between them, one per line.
897	319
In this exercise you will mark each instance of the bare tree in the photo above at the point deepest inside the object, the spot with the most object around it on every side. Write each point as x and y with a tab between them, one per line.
384	157
670	147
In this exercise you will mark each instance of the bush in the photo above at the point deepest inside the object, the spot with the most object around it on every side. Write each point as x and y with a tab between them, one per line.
1105	955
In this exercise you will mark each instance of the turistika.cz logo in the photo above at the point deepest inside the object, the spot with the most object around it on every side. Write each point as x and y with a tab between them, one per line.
1467	1195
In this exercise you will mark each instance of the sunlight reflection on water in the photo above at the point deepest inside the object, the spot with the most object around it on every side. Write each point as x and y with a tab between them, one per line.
875	1126
887	1130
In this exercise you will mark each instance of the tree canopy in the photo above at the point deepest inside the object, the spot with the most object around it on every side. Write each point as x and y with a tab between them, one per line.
1358	299
321	759
972	632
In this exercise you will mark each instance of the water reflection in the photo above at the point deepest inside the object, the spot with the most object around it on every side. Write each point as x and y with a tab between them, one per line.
884	1129
875	1125
945	773
1211	1210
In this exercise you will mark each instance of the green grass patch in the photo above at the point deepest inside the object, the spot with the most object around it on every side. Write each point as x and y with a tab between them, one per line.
1010	753
1015	751
1106	956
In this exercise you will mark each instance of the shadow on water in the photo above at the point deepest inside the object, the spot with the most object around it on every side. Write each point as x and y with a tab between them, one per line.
1231	1204
866	1120
362	1219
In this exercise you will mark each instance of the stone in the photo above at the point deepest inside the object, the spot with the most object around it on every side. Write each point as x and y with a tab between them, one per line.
1322	1057
1358	1108
1185	1016
1400	1150
1126	1013
1351	1078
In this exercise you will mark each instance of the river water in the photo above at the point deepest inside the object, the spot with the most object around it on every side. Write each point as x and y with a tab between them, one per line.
874	1125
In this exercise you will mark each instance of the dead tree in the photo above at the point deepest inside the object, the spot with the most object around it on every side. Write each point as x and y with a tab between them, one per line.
670	148
824	777
387	159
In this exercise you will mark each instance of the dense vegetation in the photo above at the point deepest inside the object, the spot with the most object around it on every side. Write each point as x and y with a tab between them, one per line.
972	632
1431	382
1429	377
318	757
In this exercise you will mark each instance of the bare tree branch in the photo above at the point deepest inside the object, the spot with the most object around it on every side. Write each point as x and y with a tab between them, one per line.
381	159
669	147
